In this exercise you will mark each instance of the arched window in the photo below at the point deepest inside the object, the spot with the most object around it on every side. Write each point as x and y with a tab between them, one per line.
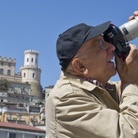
24	75
8	72
33	75
9	64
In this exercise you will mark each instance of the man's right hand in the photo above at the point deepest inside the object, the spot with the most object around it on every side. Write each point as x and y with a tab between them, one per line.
128	70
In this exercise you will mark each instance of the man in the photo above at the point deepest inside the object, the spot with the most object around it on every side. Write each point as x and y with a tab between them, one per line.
83	103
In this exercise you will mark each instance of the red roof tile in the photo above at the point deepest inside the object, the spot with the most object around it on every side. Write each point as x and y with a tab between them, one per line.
20	127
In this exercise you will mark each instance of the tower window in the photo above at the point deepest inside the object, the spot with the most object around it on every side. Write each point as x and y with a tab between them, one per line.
9	64
33	75
8	72
32	59
27	59
24	75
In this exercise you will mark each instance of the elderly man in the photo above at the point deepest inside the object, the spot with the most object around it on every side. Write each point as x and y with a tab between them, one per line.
84	103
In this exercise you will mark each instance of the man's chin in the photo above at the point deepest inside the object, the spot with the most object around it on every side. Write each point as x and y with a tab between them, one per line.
113	72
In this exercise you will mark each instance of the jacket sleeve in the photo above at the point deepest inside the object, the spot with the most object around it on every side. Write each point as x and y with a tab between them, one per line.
84	116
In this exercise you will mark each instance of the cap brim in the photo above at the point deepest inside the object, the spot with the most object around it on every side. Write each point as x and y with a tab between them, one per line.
97	30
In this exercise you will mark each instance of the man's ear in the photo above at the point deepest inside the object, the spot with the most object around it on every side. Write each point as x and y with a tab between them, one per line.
78	66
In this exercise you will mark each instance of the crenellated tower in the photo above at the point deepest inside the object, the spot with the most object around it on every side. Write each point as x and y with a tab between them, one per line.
31	73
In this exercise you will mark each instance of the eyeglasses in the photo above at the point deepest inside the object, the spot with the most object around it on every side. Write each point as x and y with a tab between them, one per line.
101	45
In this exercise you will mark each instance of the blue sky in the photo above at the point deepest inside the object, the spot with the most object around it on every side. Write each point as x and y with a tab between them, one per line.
36	24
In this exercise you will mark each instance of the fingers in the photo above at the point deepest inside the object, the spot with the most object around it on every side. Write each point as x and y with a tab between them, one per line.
133	54
133	50
136	13
133	16
136	58
132	57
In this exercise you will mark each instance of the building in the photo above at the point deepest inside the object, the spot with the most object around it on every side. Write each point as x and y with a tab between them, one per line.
21	94
31	73
47	90
11	130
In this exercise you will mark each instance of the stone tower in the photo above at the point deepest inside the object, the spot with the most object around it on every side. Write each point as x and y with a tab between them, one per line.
31	73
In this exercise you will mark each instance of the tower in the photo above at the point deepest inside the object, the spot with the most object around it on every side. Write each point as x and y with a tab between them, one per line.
31	73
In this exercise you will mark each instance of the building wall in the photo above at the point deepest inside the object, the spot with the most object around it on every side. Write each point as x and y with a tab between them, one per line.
19	106
15	78
48	90
3	134
7	64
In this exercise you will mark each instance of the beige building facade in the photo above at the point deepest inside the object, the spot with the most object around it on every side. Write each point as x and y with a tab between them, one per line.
21	94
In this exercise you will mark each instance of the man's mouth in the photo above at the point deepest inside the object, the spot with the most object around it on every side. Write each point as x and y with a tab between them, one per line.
110	60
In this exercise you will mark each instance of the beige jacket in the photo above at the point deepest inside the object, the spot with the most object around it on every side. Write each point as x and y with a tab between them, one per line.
77	108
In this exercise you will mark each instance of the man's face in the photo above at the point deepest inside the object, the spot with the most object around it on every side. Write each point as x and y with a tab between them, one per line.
98	55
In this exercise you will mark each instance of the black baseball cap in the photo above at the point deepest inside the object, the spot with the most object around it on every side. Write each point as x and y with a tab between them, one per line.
70	41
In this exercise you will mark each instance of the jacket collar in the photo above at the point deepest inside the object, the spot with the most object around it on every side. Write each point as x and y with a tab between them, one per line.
86	85
78	81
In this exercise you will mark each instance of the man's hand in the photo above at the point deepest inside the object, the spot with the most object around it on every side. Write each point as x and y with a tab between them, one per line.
133	16
128	70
